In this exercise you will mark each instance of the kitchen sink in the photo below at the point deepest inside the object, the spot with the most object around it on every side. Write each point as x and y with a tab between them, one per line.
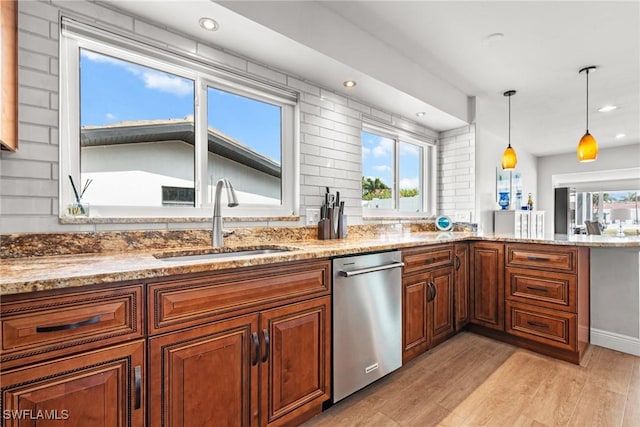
220	253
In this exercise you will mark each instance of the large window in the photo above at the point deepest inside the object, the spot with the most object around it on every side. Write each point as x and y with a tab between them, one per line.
152	132
398	174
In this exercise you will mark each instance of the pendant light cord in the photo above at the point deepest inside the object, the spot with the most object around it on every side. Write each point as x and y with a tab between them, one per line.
587	100
509	120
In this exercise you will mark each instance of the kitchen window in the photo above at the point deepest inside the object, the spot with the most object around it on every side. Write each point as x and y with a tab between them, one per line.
153	131
398	173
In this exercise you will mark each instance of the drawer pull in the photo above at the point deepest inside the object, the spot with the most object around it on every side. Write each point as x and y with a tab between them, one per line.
457	263
535	288
256	348
538	258
91	321
538	324
265	334
138	381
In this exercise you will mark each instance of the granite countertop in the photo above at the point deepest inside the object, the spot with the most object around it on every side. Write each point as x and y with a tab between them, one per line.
21	275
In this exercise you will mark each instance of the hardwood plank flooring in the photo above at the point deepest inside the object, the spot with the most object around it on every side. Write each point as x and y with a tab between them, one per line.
471	380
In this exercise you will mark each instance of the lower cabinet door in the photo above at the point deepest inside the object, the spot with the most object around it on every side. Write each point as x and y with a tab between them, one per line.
461	285
415	315
442	324
97	388
295	372
206	376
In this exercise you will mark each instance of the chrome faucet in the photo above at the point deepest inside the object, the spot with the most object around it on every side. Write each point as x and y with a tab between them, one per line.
232	201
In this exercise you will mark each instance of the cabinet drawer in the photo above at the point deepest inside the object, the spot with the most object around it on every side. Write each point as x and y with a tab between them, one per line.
421	259
180	303
542	256
550	327
40	326
546	289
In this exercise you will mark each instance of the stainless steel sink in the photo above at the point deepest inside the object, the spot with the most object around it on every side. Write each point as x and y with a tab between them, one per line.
218	253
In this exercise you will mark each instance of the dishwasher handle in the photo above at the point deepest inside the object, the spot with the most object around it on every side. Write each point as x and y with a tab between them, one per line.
371	269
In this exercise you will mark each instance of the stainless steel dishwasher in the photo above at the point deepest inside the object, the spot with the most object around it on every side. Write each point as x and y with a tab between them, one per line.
367	320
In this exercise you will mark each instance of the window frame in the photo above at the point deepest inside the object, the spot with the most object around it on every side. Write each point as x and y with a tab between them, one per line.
76	35
428	171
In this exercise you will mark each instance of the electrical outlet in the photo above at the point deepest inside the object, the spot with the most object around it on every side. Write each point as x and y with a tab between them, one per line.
313	216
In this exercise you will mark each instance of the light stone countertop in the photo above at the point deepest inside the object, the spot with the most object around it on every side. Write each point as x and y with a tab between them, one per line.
21	275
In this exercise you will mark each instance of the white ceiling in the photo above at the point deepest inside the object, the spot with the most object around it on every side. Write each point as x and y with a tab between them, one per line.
410	56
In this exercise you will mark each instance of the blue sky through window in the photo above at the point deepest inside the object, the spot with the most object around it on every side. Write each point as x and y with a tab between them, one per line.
377	160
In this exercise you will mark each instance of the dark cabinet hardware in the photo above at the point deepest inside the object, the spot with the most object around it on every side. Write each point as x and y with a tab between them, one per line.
538	258
538	324
256	348
265	334
138	384
457	263
91	321
535	288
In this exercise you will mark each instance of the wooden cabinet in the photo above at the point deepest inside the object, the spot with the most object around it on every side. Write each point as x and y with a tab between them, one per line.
461	285
98	388
487	284
428	299
547	298
264	361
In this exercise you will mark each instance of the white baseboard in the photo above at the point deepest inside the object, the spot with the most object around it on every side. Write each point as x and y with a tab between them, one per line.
623	343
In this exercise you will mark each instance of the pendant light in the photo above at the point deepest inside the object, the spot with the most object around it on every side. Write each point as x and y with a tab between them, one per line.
509	158
587	147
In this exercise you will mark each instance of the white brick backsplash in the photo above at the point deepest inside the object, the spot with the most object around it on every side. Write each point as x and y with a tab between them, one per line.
319	121
303	86
37	61
319	161
319	141
54	31
347	183
340	118
316	100
456	162
33	24
309	129
348	111
38	80
160	34
309	109
221	57
39	44
34	151
25	169
333	97
53	67
34	97
33	133
322	181
32	187
346	165
309	170
267	73
349	130
53	101
42	116
338	136
358	106
314	150
25	206
40	9
336	173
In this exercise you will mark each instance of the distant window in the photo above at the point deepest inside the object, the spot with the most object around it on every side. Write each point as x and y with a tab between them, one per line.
396	170
183	196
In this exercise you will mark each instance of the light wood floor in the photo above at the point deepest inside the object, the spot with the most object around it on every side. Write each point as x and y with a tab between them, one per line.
471	380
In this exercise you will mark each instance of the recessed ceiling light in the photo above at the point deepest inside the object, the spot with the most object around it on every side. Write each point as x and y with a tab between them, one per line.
620	135
349	83
208	24
420	113
607	108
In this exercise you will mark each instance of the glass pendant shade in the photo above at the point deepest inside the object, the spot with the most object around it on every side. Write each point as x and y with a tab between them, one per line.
509	159
587	148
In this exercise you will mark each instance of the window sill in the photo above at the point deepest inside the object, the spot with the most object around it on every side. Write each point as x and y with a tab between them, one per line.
148	220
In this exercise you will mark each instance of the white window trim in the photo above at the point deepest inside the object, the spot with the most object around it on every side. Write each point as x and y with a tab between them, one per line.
429	181
75	35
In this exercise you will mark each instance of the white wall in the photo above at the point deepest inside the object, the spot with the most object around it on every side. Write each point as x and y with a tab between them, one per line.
624	157
330	123
489	149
